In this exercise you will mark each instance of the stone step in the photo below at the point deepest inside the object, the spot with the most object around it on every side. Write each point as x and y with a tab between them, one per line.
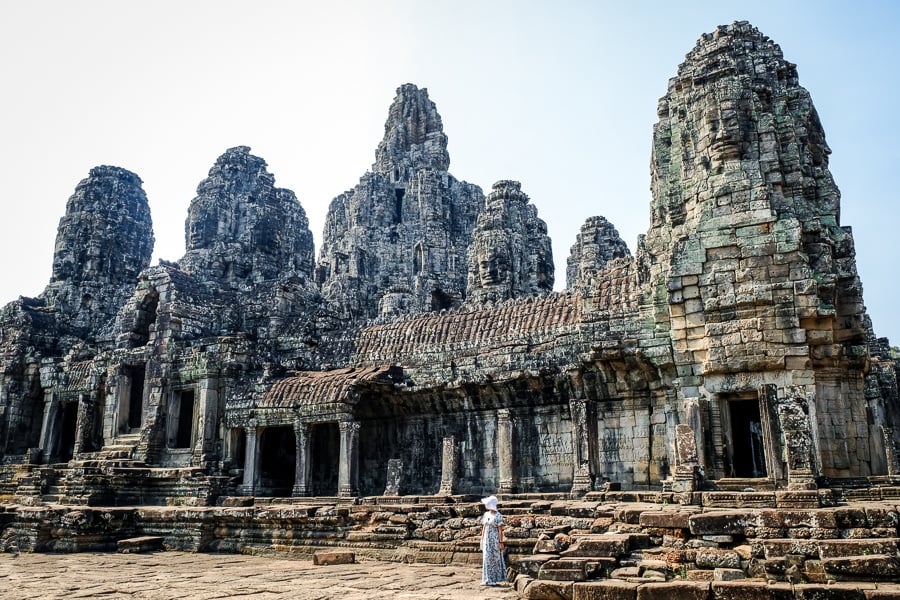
825	548
877	567
146	543
575	569
609	545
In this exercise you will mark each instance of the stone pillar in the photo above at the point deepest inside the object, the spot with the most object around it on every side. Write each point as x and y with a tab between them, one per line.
687	467
251	460
394	475
795	425
582	478
83	423
890	451
693	418
506	452
348	469
449	466
302	467
208	419
49	424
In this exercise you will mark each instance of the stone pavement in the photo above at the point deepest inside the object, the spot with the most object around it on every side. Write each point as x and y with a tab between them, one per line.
169	575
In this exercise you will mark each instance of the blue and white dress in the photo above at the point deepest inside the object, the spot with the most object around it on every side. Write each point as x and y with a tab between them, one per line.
493	570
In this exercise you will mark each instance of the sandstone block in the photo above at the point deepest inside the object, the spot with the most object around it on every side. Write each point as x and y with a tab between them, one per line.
548	590
334	557
605	590
683	590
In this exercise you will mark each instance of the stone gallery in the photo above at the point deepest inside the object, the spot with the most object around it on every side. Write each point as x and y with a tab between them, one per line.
423	351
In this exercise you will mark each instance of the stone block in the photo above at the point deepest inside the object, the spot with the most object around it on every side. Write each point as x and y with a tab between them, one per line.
726	574
872	566
665	519
682	590
834	591
712	558
858	547
548	590
605	590
334	557
146	543
718	523
746	590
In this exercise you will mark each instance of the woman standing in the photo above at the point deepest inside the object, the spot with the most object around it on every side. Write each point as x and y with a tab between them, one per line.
493	570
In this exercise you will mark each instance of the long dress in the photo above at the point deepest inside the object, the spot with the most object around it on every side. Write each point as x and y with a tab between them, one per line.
493	571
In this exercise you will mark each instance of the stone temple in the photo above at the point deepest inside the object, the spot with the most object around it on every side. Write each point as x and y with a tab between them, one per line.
424	352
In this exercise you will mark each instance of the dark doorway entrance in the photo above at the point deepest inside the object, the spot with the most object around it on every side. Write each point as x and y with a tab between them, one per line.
277	464
135	400
325	457
68	422
181	420
748	458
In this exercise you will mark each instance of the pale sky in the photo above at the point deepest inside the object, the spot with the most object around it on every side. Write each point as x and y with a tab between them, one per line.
559	95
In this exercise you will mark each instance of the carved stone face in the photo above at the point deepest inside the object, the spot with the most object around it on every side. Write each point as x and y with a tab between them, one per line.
724	128
492	270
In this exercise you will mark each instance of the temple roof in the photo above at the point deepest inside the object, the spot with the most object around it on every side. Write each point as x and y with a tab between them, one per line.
309	388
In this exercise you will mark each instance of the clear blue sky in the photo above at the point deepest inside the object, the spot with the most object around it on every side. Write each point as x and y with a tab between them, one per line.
558	95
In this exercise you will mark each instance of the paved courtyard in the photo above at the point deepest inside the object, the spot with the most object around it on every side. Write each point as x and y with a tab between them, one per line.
166	575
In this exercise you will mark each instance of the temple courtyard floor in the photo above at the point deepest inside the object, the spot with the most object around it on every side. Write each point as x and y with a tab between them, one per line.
169	575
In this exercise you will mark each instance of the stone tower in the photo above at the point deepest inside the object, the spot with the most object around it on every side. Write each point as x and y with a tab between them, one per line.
241	228
397	242
596	245
510	255
103	242
746	256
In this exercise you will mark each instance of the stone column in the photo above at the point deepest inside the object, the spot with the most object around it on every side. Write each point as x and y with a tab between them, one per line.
251	459
302	467
83	423
582	478
506	452
449	466
795	425
208	419
394	477
687	467
694	419
890	451
49	425
348	469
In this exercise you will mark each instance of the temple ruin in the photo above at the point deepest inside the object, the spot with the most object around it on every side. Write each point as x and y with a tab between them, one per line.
424	353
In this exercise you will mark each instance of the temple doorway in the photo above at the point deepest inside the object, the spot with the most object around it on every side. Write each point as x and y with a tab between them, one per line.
65	442
181	417
277	464
131	400
746	451
325	458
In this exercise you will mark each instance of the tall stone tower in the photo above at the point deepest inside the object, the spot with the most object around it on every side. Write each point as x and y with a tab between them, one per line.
241	228
510	255
397	242
597	243
103	242
746	259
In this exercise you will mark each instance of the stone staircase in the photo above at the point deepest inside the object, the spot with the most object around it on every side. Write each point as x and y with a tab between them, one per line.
53	483
705	550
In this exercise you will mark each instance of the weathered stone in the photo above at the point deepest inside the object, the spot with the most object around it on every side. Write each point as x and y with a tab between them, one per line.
596	245
146	543
548	590
876	566
605	590
735	339
397	243
510	254
333	557
688	590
